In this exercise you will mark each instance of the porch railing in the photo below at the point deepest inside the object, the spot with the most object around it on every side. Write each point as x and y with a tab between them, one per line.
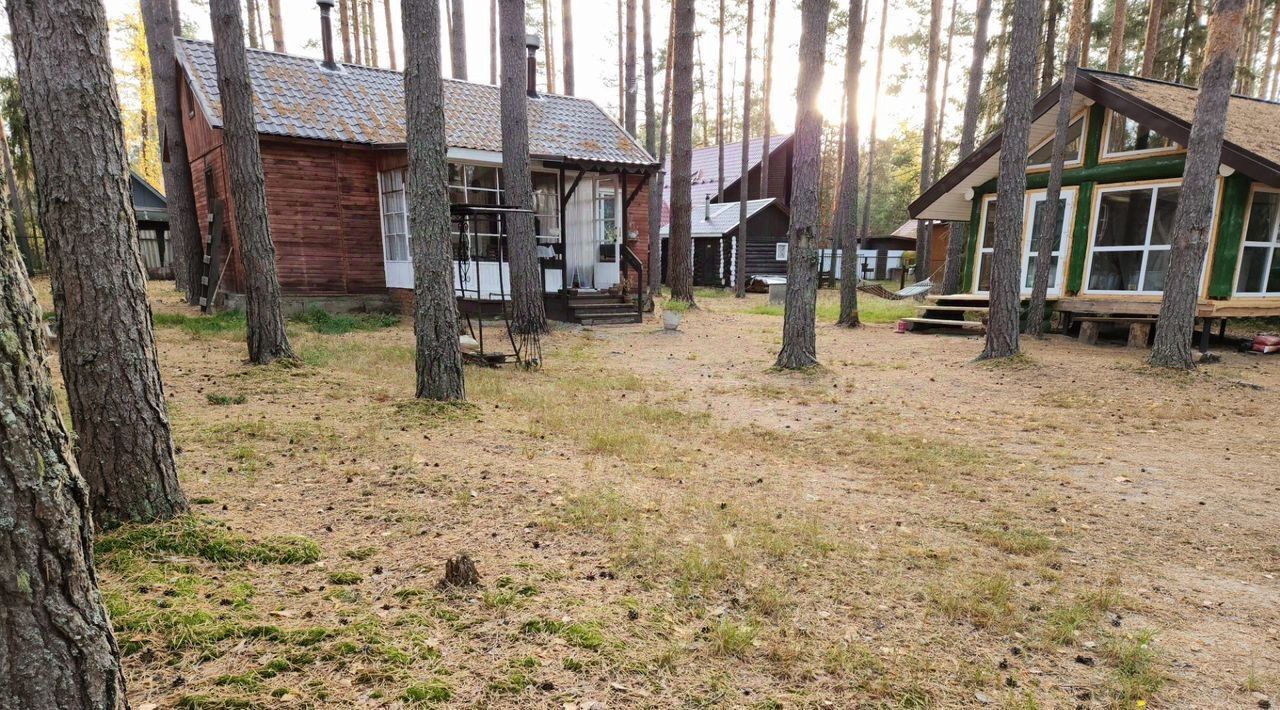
631	261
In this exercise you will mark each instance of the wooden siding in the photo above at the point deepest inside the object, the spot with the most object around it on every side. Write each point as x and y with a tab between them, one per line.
780	159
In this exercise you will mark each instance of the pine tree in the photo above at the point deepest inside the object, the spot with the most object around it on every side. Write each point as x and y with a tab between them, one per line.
1115	50
458	43
952	271
865	231
1151	48
651	130
391	33
277	26
720	109
655	242
566	19
630	73
1006	266
740	248
1192	221
107	346
268	341
923	228
845	229
680	241
494	63
344	29
799	336
767	91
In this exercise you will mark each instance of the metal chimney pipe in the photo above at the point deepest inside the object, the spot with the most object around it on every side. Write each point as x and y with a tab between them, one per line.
532	43
326	33
706	210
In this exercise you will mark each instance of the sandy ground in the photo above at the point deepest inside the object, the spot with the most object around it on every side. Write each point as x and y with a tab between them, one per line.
661	520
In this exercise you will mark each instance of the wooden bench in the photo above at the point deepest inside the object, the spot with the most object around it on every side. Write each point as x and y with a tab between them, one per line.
1139	328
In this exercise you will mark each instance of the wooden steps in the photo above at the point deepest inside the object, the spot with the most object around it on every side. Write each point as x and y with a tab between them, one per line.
603	309
950	313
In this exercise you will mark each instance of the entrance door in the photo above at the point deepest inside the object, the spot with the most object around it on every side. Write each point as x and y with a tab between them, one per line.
706	262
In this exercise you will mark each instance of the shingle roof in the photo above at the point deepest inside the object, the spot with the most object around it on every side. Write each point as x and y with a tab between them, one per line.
705	166
297	97
724	217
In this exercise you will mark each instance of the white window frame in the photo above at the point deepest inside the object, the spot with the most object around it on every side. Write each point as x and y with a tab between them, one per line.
383	214
1146	247
1030	200
780	251
1272	247
1083	118
1106	153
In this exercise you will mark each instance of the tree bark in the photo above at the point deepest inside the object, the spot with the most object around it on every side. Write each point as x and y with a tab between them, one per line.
952	271
630	72
845	228
655	212
1049	66
865	231
1184	41
371	30
622	80
493	42
550	45
923	229
357	37
391	32
740	252
566	61
766	91
1152	45
435	309
651	130
15	204
266	330
528	312
277	26
255	34
188	252
1087	38
720	109
680	241
344	27
108	352
458	43
1050	226
1115	50
799	337
59	649
941	133
1193	219
1006	266
1267	68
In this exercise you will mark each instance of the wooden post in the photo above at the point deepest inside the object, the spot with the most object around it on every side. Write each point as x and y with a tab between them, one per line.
1089	333
1139	335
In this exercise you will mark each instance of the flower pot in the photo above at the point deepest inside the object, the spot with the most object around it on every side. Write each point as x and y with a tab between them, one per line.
671	320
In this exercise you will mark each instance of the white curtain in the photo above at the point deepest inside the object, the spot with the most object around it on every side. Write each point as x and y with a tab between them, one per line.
580	240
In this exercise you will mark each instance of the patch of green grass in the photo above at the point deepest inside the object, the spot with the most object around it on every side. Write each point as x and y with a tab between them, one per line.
435	691
1137	675
345	578
580	634
515	682
425	411
194	536
1015	539
360	554
204	702
222	400
986	601
731	638
321	321
871	310
226	322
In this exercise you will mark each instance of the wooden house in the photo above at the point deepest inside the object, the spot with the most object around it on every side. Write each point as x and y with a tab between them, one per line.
714	227
334	160
151	215
1120	190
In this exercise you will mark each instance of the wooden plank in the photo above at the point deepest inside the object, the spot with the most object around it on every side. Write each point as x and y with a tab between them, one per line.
940	321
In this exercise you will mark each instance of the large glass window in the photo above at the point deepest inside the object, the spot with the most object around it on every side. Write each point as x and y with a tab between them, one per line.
1041	156
395	222
1124	135
1131	239
1036	203
1259	261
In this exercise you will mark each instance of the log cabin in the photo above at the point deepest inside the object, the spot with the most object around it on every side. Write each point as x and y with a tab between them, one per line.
1122	179
334	160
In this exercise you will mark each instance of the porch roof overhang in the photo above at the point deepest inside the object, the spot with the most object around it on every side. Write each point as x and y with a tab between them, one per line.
947	199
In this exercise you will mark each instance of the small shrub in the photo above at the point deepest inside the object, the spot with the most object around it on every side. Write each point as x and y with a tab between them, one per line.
345	578
222	400
360	554
730	638
581	634
436	691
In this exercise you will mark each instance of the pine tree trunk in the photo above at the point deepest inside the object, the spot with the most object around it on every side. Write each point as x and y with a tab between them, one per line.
946	87
1051	225
630	77
371	29
528	312
1115	50
267	338
1268	67
702	92
720	109
435	309
1192	220
458	43
493	42
255	35
680	241
953	270
622	80
1087	38
799	327
1049	66
1152	46
59	651
865	230
108	351
651	130
1006	266
277	26
1184	41
357	37
15	203
344	29
566	61
923	228
391	32
177	19
655	240
766	91
184	226
845	228
740	251
550	45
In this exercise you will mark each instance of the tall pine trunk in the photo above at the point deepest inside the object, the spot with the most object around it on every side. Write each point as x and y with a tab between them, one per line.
766	90
799	327
720	109
630	74
1050	229
29	258
267	338
1268	67
458	43
1049	65
371	27
435	309
744	188
865	231
391	32
622	80
1152	46
254	33
845	228
528	316
188	252
494	63
108	351
654	214
344	28
277	26
953	269
923	228
550	45
680	241
1115	49
946	87
1192	221
59	651
566	61
655	241
1006	262
357	37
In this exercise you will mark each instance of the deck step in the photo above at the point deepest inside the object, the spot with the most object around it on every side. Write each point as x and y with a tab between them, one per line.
958	309
958	297
975	325
629	319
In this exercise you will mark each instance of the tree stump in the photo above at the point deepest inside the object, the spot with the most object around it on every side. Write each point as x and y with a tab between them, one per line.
1089	333
460	571
1139	335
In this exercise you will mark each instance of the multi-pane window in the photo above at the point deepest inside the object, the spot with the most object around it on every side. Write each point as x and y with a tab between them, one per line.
1131	239
1037	203
1124	135
1259	261
546	207
1041	156
395	223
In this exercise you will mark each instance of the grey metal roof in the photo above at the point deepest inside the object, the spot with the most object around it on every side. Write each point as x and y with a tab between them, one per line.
724	217
705	166
297	97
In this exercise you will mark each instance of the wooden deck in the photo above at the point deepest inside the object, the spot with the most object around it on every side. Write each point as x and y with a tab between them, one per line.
1150	306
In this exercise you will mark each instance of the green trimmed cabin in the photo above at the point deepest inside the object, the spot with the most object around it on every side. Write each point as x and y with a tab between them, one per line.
1121	183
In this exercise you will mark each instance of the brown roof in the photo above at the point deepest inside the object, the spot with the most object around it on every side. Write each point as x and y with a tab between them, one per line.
297	97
